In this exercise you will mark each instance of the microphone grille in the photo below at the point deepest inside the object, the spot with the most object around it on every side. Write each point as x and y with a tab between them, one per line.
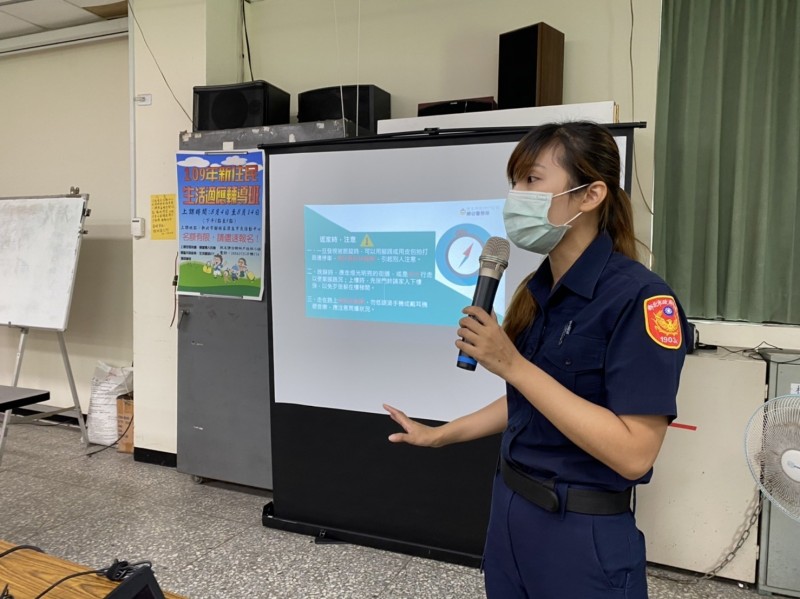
496	249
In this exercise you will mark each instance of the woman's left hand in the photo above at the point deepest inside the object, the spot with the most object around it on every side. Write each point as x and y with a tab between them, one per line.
482	338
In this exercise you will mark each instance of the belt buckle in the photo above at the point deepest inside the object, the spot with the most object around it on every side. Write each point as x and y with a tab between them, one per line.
537	492
552	503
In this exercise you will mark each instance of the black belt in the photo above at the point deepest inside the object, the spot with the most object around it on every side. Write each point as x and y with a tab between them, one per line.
582	501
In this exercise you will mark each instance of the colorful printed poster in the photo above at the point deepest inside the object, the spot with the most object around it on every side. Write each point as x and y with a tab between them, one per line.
221	223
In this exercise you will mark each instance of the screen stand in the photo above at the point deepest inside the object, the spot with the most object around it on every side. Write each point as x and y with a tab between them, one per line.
76	406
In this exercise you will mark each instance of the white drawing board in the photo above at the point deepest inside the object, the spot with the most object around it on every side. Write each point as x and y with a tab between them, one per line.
40	239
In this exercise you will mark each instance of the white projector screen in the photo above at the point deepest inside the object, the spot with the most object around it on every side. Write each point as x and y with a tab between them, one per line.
373	255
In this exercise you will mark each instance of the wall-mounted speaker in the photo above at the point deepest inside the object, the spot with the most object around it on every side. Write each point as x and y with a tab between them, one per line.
531	69
237	105
374	104
456	106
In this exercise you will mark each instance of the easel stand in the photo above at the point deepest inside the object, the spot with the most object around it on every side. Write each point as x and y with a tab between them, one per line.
42	235
38	416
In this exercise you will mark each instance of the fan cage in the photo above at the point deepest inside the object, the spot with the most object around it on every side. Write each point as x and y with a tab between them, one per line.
774	429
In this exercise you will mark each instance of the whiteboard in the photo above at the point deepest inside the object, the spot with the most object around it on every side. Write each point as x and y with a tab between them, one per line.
40	238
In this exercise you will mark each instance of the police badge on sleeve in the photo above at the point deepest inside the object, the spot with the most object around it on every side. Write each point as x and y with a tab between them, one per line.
662	322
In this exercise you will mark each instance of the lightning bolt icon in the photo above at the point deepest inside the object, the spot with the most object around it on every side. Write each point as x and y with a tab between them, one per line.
467	252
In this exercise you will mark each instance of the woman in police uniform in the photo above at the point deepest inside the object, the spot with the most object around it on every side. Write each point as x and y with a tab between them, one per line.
591	350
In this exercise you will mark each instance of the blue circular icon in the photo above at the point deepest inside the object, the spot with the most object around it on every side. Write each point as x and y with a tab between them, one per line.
669	311
458	253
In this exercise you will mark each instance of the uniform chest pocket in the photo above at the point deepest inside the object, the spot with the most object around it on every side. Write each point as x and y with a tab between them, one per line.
579	364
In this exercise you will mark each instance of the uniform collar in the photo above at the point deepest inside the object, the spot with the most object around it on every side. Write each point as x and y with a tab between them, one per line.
582	276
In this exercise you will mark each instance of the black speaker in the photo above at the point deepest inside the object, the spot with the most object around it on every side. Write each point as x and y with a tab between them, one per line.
531	69
456	106
237	105
374	104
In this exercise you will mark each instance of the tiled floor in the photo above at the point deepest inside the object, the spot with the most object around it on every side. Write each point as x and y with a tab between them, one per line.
206	541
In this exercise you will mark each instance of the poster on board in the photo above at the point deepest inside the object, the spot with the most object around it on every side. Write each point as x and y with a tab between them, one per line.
221	223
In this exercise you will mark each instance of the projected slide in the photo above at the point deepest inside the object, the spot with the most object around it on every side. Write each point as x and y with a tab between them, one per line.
410	263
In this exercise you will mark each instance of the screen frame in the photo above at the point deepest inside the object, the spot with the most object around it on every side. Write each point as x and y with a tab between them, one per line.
335	476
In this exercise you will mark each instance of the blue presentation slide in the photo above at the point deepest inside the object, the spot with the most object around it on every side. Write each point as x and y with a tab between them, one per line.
410	263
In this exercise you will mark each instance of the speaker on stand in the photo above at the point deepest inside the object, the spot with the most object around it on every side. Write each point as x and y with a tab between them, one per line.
237	105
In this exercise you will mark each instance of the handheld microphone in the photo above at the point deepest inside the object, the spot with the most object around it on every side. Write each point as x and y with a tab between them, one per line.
493	262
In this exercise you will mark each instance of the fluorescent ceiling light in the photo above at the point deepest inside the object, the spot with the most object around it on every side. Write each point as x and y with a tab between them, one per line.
68	35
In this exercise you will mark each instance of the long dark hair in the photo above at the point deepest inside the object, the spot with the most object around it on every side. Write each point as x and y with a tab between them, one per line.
588	152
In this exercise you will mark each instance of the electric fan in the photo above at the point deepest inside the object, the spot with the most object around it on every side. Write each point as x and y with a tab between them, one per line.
772	446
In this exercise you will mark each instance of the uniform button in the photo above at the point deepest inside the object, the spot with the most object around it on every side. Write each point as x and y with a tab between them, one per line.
568	361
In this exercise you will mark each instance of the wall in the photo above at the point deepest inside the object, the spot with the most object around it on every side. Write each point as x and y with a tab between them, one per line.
180	35
64	123
224	60
431	50
175	62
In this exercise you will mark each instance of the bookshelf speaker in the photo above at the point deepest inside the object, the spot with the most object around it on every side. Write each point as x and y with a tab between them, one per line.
531	67
374	104
237	105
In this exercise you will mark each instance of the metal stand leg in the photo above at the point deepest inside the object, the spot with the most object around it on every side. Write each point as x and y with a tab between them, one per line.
6	417
23	336
38	416
76	403
7	414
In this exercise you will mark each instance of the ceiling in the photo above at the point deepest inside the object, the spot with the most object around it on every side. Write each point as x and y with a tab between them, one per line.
25	17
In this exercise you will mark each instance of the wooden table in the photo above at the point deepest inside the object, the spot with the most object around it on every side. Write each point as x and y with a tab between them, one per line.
29	572
16	397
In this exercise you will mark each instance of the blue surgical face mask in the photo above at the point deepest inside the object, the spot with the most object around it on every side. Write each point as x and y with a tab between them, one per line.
527	224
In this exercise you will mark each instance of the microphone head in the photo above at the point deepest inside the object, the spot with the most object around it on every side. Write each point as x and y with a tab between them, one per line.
495	254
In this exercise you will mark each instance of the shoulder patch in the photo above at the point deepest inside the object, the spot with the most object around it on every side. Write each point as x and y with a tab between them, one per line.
662	322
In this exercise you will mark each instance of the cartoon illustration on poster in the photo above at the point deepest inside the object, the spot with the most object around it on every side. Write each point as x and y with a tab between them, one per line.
221	223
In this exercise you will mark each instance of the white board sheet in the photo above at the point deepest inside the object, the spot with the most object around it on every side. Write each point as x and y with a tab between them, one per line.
40	240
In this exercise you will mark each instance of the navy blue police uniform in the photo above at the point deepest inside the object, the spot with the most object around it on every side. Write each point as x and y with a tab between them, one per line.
561	524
